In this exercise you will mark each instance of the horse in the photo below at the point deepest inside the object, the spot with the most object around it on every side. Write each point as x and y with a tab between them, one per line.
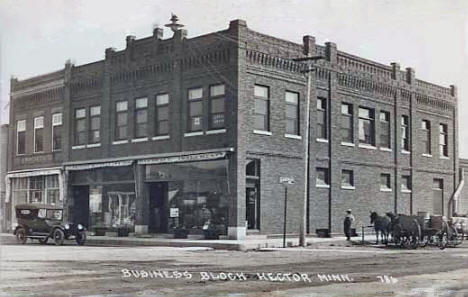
381	225
405	229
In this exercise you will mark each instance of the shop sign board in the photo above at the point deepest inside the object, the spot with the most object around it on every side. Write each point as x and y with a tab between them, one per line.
174	212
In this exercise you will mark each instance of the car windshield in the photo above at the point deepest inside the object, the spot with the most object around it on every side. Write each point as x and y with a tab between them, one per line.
54	214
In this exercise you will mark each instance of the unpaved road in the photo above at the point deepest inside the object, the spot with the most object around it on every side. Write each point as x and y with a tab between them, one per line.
36	270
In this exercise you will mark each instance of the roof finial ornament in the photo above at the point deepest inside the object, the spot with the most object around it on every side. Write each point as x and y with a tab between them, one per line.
174	26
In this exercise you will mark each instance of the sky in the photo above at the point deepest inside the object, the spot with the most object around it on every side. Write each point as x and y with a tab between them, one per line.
38	36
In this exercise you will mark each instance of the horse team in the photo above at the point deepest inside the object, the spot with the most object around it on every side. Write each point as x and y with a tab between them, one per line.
412	231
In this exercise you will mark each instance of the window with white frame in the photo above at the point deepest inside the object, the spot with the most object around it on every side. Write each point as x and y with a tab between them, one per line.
385	129
366	126
195	109
141	117
405	140
56	131
406	183
217	107
347	123
292	113
162	114
347	178
322	129
94	124
21	137
262	108
443	140
385	182
426	136
39	134
322	177
80	126
121	120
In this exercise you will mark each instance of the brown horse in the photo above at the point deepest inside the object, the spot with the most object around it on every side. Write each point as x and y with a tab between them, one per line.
381	226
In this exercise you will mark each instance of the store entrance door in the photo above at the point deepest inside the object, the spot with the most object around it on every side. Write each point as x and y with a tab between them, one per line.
158	212
252	207
80	209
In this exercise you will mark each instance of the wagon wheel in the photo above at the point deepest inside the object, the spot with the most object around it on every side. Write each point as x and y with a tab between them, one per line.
424	241
21	236
443	240
414	242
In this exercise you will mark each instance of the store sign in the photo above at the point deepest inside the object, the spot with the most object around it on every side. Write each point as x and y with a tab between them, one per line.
286	180
186	158
35	159
174	212
98	165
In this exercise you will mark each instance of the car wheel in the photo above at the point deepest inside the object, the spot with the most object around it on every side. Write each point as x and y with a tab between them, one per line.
21	236
59	237
80	237
43	240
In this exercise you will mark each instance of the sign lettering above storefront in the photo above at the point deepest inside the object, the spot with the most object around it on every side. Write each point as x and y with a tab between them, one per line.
186	158
98	165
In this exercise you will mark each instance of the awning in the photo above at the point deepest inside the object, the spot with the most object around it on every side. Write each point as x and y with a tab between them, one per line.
97	165
183	158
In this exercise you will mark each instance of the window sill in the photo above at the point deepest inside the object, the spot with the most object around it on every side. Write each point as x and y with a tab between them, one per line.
78	147
348	188
385	149
196	133
161	137
406	191
93	145
323	186
367	146
262	132
427	155
444	158
348	144
322	140
120	141
143	139
293	136
404	152
217	131
386	190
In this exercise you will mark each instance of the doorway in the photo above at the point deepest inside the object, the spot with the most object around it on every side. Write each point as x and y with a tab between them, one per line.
80	208
252	209
158	212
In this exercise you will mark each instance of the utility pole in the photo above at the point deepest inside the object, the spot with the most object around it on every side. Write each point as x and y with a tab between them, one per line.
302	227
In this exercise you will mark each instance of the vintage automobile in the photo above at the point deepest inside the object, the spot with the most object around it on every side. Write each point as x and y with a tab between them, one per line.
41	222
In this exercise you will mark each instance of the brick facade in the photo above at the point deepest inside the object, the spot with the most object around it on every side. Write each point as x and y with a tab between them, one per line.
241	58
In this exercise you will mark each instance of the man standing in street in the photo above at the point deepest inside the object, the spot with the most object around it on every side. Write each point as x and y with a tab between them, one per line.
347	223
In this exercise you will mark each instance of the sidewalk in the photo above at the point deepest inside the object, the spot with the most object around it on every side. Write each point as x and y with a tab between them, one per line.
239	245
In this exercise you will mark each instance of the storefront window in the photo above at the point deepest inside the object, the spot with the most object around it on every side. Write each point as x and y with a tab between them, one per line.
195	193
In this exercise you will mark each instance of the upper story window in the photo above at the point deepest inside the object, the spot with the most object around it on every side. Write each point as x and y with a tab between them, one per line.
39	134
217	107
347	178
366	126
443	140
347	123
292	113
195	109
405	140
95	124
406	183
322	130
121	120
426	136
141	117
57	131
385	129
21	137
322	177
162	114
80	126
385	182
262	108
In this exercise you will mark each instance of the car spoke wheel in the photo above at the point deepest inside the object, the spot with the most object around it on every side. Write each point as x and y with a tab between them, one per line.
81	237
43	240
21	236
59	237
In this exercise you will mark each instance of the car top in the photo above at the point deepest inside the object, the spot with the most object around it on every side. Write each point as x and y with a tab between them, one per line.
37	206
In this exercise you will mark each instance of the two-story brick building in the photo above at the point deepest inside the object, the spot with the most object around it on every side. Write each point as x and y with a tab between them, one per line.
173	132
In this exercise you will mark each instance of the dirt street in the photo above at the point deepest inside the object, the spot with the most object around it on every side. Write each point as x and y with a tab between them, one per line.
325	270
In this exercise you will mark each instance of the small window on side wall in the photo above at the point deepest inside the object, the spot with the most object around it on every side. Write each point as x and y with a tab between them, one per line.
347	179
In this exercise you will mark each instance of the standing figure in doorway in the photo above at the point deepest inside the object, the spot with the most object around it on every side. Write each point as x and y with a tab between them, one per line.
347	223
